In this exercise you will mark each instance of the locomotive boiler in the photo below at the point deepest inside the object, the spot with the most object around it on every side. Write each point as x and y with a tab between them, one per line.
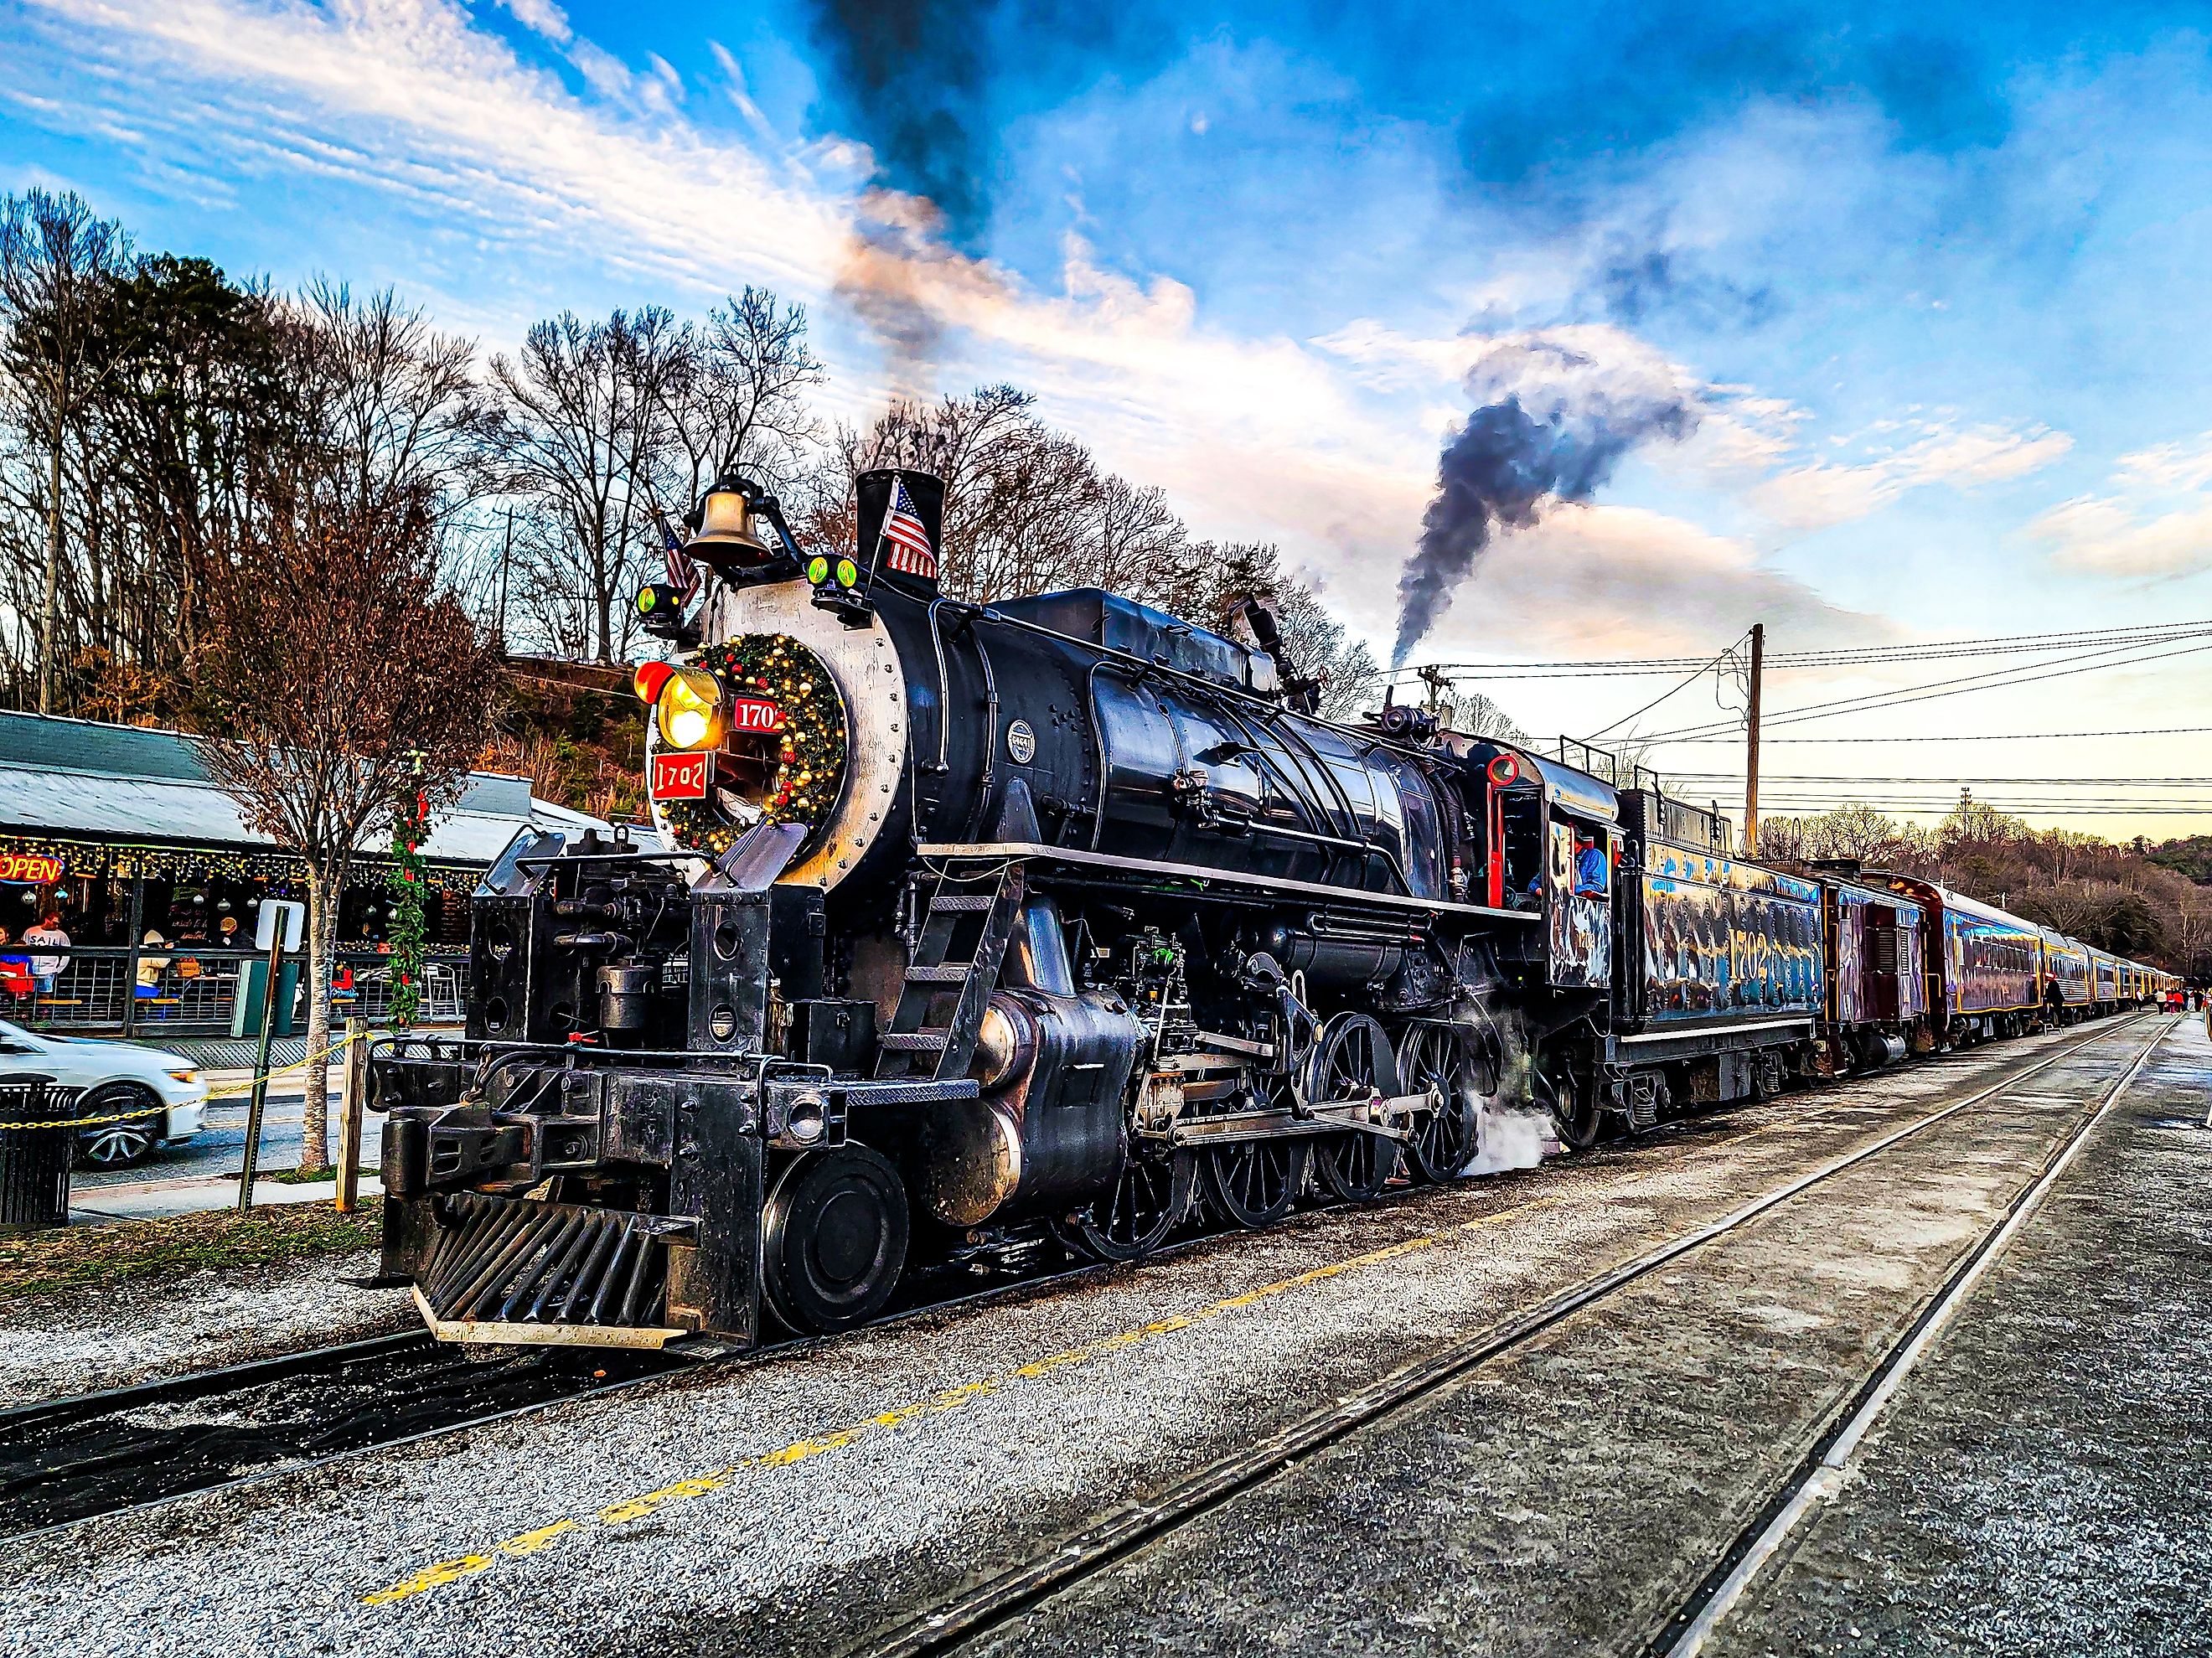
973	926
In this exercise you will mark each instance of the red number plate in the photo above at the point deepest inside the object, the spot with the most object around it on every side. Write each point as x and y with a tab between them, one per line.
682	776
755	713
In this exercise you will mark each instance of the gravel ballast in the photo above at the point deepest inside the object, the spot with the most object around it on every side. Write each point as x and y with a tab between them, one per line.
108	1337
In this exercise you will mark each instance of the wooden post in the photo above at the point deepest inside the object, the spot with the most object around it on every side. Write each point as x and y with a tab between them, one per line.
353	1098
1751	758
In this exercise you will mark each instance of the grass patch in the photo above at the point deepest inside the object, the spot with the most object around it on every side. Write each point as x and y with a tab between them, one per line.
293	1176
77	1258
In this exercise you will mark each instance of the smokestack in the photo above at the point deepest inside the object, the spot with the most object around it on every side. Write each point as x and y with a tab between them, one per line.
883	557
1519	452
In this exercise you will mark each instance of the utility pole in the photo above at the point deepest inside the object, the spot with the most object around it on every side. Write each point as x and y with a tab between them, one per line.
1751	757
505	552
1439	690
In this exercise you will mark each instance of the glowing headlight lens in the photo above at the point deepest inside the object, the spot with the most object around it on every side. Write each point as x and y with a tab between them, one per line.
689	709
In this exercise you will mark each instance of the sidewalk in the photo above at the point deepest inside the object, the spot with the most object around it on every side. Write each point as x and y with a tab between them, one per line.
103	1205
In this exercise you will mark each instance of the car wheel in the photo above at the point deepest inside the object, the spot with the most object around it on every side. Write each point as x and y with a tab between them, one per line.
117	1144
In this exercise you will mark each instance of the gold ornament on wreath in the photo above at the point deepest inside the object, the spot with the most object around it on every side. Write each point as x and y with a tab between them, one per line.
791	775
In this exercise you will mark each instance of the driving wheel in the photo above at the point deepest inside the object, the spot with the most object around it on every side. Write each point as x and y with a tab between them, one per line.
1148	1201
1440	1057
833	1239
1255	1183
1353	1061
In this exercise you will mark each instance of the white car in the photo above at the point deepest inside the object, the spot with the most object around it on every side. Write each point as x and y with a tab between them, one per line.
117	1077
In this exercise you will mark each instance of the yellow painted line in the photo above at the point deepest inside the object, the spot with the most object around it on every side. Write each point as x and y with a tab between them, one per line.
630	1509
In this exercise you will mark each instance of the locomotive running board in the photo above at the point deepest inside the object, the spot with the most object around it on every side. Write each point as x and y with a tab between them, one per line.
1077	857
488	1334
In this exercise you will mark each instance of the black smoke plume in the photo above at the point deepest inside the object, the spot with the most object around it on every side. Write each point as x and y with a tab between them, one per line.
1503	468
913	75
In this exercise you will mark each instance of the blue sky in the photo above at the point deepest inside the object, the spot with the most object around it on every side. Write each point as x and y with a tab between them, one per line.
1932	278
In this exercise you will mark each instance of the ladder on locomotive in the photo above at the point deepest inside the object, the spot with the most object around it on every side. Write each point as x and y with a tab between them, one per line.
950	977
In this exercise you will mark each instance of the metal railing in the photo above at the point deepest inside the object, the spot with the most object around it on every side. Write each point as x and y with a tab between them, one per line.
196	992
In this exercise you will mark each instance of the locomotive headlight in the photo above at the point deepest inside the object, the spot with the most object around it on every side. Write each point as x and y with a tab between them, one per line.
688	710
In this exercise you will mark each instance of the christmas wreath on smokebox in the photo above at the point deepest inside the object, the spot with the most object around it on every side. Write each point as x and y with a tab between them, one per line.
810	751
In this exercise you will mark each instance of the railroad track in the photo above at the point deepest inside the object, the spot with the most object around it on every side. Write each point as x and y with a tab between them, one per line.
64	1461
994	1603
89	1455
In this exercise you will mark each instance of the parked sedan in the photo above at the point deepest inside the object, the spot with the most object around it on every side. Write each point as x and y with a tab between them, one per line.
159	1097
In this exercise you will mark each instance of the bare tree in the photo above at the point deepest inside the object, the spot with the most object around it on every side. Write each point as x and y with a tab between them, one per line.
737	398
582	420
395	401
335	661
58	262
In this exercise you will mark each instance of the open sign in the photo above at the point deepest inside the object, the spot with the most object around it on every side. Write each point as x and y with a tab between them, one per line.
755	713
682	776
32	868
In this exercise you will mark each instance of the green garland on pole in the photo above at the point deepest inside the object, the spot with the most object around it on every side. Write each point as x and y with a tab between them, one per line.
410	818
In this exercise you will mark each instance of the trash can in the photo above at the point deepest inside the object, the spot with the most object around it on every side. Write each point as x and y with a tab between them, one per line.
34	1158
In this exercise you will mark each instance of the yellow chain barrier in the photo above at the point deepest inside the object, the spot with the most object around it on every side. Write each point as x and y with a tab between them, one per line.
227	1089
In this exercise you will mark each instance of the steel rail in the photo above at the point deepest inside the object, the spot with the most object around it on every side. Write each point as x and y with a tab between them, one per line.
997	1600
196	1384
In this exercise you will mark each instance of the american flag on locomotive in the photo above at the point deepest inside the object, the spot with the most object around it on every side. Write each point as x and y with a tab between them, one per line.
908	537
682	572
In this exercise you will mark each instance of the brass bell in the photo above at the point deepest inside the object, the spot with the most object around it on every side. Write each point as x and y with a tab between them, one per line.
726	526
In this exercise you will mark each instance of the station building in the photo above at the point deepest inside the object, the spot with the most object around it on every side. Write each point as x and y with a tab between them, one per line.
155	876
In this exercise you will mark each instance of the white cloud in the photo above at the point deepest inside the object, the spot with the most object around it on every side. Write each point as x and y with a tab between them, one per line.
1627	580
1740	433
1814	494
1328	446
540	17
2180	466
2159	524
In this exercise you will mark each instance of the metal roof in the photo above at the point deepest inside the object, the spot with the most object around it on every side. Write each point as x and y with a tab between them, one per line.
1577	791
67	779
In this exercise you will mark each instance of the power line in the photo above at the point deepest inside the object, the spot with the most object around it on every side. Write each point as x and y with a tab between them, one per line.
1965	737
1936	689
2099	656
2121	815
1954	782
1839	656
1696	674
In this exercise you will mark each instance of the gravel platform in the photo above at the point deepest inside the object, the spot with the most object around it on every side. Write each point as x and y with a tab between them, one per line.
1566	1496
74	1343
2043	1481
794	1503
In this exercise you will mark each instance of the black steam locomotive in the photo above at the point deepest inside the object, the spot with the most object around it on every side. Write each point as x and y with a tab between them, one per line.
979	926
